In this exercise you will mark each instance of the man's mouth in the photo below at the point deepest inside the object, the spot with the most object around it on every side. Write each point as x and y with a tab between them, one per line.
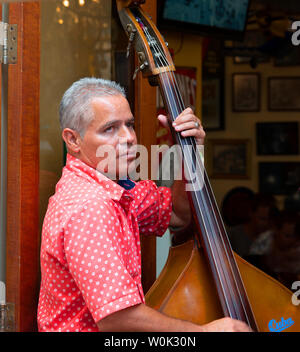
128	156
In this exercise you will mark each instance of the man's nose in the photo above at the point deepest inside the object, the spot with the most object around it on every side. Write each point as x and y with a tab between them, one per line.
127	135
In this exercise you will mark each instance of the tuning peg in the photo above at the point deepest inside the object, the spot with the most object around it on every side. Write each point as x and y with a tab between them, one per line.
131	32
139	68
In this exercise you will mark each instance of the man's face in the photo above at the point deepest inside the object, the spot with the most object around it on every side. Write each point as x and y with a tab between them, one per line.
109	140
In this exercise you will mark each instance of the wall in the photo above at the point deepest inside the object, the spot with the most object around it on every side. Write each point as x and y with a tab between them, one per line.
187	49
237	125
243	125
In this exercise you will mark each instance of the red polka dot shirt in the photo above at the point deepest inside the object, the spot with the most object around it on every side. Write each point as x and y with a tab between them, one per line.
90	250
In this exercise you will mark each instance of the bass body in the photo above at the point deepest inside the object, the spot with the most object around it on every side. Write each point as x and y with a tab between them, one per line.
185	290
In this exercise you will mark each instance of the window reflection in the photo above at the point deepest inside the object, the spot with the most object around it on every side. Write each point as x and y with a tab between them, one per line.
75	43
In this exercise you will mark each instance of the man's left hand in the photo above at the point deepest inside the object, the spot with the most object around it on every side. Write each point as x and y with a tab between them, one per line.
187	124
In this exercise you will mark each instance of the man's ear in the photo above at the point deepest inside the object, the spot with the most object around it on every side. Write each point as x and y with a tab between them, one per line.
72	140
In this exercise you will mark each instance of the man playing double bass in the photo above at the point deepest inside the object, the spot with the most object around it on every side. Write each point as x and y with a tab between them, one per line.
90	251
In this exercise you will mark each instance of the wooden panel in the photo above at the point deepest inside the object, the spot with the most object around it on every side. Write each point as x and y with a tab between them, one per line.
0	93
145	113
2	253
23	168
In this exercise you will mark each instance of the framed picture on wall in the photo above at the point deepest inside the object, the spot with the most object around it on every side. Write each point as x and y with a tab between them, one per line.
277	138
283	93
279	178
213	103
246	92
229	158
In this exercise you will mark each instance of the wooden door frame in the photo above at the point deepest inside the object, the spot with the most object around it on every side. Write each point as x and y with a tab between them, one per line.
22	241
146	128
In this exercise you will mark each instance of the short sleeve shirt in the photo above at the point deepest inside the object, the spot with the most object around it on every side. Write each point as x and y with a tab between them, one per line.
90	250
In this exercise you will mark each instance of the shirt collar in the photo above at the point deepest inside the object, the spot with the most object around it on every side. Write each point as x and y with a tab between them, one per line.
111	188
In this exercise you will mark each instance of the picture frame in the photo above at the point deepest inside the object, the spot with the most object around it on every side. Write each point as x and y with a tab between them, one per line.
279	178
277	138
229	158
283	93
213	85
213	103
245	92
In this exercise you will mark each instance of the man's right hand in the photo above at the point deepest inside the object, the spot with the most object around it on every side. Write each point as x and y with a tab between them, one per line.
226	325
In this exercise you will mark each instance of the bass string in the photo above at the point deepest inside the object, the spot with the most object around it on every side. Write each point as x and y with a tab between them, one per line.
221	250
232	262
220	225
208	227
217	251
160	54
230	258
169	97
167	83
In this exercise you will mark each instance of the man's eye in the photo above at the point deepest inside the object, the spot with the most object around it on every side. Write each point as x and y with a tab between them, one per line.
131	125
109	129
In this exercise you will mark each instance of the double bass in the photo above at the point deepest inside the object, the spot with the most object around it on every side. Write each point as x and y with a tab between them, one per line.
203	279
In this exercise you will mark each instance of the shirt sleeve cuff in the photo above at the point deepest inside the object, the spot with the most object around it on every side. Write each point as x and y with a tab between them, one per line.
127	301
